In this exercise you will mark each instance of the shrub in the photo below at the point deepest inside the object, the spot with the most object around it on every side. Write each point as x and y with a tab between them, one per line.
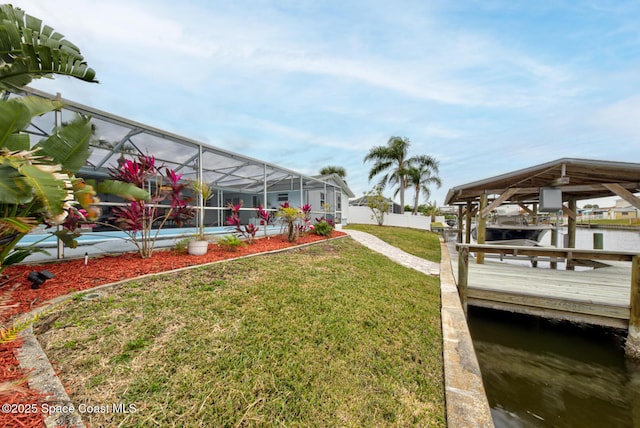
181	245
231	242
322	228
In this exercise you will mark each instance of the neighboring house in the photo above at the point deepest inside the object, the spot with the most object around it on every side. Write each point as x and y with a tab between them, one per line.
594	213
622	210
623	213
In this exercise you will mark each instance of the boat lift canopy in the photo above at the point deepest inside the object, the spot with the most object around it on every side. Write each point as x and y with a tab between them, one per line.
578	179
575	179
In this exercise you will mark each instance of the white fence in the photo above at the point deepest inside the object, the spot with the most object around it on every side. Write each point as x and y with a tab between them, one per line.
364	215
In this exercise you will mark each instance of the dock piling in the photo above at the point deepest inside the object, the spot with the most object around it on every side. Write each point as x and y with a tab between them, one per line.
463	276
632	347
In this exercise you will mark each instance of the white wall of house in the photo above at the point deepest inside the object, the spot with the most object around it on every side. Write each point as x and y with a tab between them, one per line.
363	215
344	207
313	198
274	199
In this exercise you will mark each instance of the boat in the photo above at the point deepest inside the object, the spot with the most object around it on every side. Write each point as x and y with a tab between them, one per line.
512	230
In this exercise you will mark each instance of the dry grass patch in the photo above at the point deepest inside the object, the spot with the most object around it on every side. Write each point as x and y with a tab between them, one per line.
329	335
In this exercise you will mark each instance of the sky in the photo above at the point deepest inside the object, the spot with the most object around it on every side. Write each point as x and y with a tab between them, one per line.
484	86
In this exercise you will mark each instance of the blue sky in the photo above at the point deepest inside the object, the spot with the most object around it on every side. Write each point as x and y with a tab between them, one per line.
486	87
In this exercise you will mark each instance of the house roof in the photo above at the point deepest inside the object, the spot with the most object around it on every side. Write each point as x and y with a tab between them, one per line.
337	180
579	179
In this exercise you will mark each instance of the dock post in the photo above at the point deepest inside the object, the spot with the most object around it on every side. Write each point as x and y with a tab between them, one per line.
632	347
460	214
571	231
463	276
553	264
482	227
467	231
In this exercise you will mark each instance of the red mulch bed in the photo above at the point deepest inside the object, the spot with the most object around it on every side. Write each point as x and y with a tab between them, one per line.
73	275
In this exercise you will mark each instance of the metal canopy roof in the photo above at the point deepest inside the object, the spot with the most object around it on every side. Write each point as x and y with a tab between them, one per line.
579	179
118	137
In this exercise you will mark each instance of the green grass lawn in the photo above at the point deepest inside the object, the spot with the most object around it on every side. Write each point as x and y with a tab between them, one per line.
624	222
420	243
328	335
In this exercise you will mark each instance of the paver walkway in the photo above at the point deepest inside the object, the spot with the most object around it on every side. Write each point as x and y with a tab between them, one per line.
397	255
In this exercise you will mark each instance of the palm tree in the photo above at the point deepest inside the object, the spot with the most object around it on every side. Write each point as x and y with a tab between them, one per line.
423	171
338	170
432	210
392	161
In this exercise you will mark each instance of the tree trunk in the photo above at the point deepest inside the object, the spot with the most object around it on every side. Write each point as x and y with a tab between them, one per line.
292	232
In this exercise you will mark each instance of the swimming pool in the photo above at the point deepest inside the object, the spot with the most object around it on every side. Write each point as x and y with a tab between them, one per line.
47	240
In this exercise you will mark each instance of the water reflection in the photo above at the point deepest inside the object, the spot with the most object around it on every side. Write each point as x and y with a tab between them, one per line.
540	373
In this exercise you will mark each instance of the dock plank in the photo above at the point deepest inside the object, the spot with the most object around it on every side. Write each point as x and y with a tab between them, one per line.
599	296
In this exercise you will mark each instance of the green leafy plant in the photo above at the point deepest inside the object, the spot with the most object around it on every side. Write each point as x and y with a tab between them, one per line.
322	228
31	50
38	185
205	190
181	245
231	242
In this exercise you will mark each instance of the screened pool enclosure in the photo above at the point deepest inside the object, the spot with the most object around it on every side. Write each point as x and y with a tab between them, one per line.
234	177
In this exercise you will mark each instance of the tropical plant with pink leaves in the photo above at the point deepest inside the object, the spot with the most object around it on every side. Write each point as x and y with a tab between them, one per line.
142	219
248	231
266	218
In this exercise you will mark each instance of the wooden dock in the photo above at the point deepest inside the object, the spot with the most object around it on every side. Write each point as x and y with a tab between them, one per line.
597	296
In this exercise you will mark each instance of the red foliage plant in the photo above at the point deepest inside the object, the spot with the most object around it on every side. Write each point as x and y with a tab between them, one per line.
142	219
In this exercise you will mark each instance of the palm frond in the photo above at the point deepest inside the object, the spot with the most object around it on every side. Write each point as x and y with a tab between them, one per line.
10	225
29	49
47	188
13	187
68	145
127	191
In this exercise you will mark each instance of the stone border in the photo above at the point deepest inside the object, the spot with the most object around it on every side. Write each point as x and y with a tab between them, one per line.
466	400
34	361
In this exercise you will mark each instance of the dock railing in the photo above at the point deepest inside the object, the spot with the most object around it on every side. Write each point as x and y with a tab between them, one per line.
633	338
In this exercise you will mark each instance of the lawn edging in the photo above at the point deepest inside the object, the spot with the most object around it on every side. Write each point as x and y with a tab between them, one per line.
34	361
465	396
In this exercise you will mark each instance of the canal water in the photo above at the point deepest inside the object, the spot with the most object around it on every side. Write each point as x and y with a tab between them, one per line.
542	373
